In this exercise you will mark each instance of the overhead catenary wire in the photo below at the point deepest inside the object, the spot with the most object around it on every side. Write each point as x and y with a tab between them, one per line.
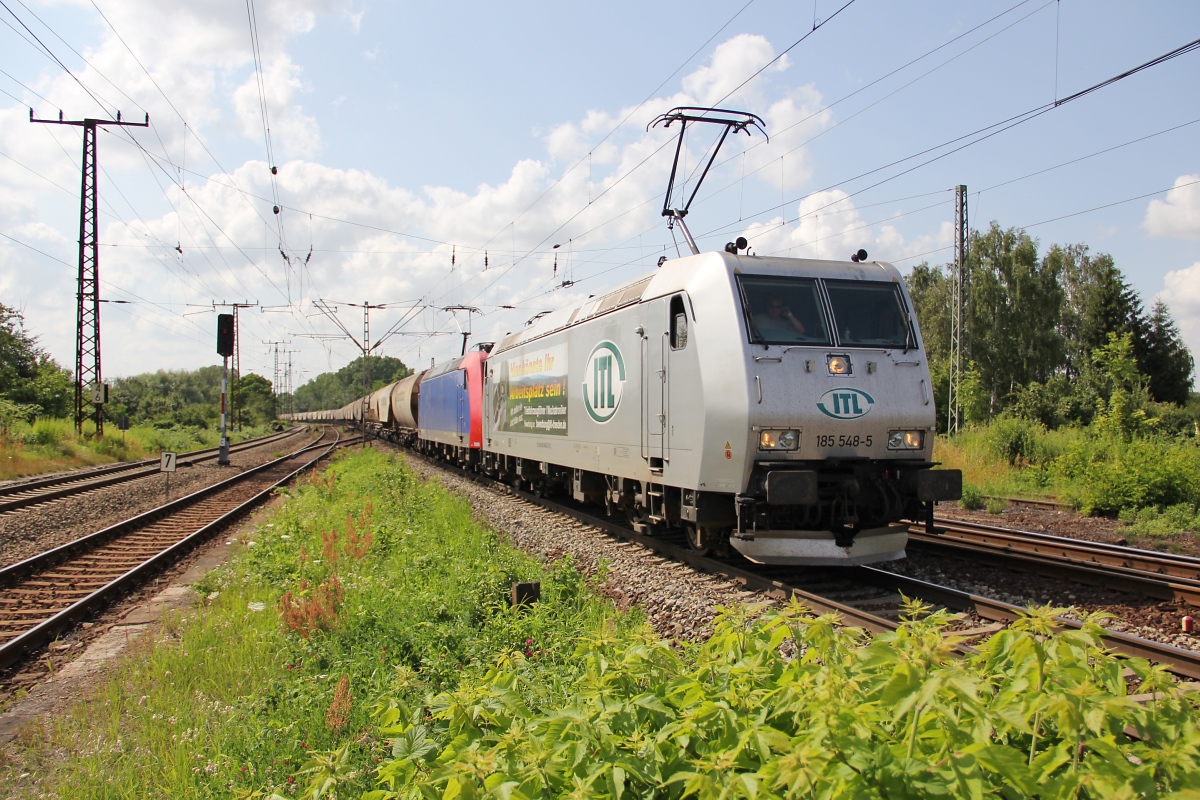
973	137
992	19
244	248
35	41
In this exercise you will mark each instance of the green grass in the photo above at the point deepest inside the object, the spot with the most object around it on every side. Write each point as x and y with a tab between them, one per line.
421	682
51	445
230	700
1150	482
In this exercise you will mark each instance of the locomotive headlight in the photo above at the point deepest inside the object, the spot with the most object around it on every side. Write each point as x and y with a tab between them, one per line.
906	440
778	440
839	365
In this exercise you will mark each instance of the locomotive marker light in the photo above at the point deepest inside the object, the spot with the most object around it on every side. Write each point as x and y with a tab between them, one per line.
778	440
906	440
840	365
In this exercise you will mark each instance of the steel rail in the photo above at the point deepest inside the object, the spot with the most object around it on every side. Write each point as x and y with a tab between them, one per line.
73	484
1157	575
1104	553
1184	663
1035	502
15	648
1110	577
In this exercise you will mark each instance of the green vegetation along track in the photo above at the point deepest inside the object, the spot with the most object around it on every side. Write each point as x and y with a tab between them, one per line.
851	591
24	494
43	594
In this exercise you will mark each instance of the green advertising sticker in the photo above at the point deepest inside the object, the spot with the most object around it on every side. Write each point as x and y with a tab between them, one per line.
531	393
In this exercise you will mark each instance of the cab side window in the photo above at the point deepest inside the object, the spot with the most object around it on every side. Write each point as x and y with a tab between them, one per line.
679	323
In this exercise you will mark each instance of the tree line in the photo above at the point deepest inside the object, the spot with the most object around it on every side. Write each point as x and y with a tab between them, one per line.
1060	338
33	384
335	389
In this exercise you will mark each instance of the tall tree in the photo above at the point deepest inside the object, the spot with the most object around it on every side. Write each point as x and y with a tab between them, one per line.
1014	307
29	377
1164	358
1099	301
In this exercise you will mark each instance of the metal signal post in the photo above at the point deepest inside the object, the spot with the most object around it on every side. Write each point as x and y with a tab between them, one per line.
87	310
236	385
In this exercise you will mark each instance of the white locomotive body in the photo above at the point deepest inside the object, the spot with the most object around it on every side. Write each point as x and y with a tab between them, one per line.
781	404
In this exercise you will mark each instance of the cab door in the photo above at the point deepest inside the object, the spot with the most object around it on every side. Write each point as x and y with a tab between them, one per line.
655	344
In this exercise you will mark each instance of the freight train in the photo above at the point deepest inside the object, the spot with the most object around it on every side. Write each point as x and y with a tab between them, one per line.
779	406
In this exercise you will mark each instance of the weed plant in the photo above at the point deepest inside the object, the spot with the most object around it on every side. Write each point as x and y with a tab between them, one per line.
360	646
366	584
792	706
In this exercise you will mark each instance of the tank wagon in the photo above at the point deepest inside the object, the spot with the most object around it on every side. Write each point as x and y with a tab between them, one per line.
782	407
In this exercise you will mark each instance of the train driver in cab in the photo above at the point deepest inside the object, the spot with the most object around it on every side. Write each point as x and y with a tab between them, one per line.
777	321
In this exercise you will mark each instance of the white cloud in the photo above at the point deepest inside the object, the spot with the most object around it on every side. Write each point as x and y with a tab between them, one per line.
1178	214
1181	293
830	227
732	63
291	131
608	202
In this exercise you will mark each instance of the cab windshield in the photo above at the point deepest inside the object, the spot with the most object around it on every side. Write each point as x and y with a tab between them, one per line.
869	314
786	310
782	310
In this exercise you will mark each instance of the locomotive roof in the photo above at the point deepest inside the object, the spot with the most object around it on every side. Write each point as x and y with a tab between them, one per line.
675	274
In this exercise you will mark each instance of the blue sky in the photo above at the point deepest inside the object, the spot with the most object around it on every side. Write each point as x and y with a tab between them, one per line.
414	133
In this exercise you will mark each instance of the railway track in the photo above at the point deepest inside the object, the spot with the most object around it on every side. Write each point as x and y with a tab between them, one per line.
42	595
864	597
1032	502
1158	575
16	496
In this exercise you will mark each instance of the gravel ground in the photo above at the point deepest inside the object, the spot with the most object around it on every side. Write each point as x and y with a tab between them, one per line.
30	531
679	602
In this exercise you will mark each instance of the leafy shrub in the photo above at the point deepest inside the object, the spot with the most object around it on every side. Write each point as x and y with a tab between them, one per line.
1161	522
1015	440
996	505
1110	475
51	432
972	497
1034	714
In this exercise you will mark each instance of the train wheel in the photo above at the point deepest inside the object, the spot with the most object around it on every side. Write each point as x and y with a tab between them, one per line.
701	540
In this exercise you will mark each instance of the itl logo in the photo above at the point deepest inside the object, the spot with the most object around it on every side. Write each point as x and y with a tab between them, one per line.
845	403
603	381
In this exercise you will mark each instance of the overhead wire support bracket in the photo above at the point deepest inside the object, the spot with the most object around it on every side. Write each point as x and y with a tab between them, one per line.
735	121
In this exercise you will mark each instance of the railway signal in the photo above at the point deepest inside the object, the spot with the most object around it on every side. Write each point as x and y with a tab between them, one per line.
225	350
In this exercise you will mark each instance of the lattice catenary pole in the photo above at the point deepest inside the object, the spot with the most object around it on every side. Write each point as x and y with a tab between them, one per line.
958	272
87	297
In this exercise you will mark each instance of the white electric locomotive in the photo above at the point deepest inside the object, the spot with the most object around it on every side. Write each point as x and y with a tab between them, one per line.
778	406
782	406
